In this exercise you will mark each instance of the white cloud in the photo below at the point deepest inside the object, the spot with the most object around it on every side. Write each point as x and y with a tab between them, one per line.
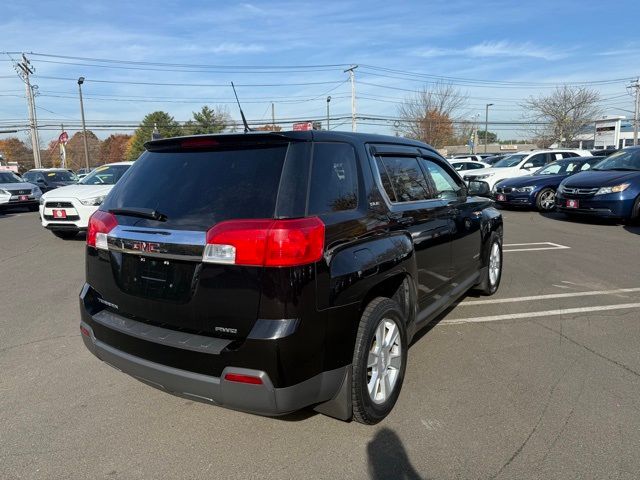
494	49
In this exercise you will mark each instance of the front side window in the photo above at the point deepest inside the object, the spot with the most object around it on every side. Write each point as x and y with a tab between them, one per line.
444	184
334	178
537	161
404	181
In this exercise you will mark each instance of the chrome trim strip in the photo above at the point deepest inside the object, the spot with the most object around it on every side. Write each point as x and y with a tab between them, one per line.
155	242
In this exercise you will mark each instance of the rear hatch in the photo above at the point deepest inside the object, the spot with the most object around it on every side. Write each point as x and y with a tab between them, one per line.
153	269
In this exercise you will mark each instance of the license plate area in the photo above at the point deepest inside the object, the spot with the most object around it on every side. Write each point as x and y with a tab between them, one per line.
501	197
154	277
573	203
59	213
24	198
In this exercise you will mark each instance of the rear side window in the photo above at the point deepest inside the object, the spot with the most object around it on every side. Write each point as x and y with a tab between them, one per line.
404	180
196	190
334	178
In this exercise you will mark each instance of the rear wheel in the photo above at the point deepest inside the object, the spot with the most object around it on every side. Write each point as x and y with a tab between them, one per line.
546	200
65	234
492	271
379	361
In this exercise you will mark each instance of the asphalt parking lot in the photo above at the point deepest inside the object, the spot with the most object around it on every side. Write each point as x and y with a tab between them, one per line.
540	381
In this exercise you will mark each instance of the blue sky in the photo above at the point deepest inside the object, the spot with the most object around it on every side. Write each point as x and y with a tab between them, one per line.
513	41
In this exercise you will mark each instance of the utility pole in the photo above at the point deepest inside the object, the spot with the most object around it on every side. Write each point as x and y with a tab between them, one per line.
84	127
486	125
24	69
352	78
636	111
273	116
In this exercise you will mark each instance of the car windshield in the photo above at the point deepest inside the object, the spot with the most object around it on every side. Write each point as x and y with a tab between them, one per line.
107	175
510	161
622	160
59	176
9	177
564	167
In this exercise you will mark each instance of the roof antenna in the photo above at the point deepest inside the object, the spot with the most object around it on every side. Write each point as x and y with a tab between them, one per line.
244	120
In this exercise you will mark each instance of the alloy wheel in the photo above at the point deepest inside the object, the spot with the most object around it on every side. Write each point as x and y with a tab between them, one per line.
384	361
494	263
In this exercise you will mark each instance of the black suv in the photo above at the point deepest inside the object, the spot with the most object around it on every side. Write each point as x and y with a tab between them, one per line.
269	272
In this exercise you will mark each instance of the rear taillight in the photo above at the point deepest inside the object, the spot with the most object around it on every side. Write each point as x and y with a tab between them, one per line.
100	224
270	243
199	143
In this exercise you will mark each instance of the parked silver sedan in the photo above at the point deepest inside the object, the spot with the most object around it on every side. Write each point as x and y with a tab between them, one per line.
15	192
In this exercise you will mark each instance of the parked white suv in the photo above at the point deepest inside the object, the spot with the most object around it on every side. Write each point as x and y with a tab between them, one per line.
483	181
66	210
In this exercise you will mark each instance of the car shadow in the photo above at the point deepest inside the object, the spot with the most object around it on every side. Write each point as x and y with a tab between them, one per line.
580	219
388	458
633	228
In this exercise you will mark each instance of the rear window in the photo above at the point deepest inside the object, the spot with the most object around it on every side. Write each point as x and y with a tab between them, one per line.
196	190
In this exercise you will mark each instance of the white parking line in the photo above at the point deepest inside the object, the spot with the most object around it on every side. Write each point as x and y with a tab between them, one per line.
547	313
530	247
548	296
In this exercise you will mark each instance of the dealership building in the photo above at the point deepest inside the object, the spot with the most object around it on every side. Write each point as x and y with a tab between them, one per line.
607	132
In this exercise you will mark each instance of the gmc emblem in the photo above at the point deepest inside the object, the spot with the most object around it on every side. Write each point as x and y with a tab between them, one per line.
147	247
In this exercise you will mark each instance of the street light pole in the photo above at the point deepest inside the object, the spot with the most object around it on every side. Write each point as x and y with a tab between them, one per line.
486	125
84	127
328	101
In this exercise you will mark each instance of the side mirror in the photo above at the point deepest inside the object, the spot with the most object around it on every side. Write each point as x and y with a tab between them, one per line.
528	166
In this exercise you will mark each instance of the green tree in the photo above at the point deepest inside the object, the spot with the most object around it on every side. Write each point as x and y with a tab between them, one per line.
207	120
166	125
491	137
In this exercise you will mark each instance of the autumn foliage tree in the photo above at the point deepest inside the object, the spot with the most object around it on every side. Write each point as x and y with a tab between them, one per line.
15	150
114	148
75	150
430	113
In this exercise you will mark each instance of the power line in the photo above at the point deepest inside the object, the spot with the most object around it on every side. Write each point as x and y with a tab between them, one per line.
128	82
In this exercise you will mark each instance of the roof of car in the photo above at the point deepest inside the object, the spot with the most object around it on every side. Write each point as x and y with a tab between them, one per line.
308	135
48	170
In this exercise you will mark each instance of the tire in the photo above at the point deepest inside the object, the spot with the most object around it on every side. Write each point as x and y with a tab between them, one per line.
378	320
491	277
65	234
635	212
546	200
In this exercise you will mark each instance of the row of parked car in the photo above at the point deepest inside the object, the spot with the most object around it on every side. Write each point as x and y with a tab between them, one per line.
575	182
65	200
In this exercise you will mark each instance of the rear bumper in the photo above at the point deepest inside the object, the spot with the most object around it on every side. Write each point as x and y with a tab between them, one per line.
262	399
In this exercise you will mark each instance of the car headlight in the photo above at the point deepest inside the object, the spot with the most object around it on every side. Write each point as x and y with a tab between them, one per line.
615	189
3	192
93	202
41	201
525	189
36	191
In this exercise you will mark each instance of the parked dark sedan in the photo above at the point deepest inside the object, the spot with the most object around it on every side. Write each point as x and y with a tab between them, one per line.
610	189
539	190
50	178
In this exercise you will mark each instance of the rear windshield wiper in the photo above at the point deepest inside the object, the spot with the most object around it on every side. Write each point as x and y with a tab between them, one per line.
140	212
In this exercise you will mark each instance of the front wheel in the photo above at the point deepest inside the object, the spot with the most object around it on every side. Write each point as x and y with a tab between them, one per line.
546	201
379	361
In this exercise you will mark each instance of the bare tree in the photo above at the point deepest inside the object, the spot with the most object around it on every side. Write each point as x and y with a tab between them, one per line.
429	114
560	116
